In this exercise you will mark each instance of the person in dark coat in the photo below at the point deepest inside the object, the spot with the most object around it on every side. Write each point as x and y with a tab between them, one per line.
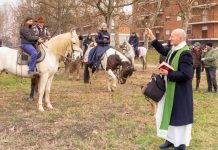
27	42
87	42
0	42
134	41
174	115
198	64
103	44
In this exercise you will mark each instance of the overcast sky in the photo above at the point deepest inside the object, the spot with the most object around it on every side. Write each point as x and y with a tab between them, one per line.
8	2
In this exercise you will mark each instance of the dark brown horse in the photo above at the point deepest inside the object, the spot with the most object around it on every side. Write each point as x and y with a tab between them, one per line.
72	63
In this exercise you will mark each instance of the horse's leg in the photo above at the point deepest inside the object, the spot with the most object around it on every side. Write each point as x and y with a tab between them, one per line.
67	70
78	69
112	79
143	63
42	85
109	84
47	92
86	74
33	85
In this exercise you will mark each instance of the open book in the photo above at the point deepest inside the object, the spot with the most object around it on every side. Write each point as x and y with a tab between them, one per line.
166	66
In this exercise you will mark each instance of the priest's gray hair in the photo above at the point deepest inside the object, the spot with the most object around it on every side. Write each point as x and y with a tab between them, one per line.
181	33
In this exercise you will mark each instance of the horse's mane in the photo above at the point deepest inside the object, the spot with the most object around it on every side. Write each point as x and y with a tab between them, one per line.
60	43
128	45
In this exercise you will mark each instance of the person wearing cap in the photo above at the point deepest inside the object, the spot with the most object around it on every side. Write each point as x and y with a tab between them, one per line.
103	44
198	64
40	29
27	42
209	57
134	41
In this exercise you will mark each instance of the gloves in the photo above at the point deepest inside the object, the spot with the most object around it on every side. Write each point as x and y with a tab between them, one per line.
40	40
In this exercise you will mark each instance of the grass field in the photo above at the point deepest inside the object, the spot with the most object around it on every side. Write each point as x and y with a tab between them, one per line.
87	117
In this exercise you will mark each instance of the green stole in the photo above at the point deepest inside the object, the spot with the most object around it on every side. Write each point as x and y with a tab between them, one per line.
170	91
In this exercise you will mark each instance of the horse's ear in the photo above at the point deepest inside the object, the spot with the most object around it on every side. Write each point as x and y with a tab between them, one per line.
73	31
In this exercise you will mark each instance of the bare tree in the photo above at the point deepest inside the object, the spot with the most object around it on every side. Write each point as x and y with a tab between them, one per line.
107	7
185	12
147	15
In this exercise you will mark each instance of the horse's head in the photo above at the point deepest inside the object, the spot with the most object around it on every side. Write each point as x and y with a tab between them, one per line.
126	71
124	47
75	40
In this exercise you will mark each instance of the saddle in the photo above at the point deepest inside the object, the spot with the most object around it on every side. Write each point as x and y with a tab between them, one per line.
24	58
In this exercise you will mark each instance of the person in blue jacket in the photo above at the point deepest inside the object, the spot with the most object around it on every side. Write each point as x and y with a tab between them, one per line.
134	41
103	44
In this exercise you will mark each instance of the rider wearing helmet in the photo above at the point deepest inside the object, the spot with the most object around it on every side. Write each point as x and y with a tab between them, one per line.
103	44
27	41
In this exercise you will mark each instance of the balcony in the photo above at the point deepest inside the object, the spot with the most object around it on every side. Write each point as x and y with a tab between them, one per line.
196	20
203	6
203	22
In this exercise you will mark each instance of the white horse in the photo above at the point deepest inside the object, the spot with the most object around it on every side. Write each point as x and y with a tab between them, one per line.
129	51
55	49
111	61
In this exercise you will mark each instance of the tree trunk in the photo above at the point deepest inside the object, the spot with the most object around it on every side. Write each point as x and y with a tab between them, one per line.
59	16
116	33
185	24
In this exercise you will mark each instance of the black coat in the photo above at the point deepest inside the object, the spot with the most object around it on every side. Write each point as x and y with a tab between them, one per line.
182	112
103	38
133	40
26	36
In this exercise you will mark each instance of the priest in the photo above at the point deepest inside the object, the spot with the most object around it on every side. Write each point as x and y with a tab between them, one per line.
174	116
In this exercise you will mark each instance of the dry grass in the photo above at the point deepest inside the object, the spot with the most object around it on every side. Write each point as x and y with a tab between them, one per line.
87	117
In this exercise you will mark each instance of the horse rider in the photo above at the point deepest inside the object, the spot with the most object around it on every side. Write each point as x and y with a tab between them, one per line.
134	41
87	42
103	44
40	29
27	41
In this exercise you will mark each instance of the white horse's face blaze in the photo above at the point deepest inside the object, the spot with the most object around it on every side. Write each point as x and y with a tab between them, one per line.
74	38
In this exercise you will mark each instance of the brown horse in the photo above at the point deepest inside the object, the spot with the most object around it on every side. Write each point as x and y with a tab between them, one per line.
72	63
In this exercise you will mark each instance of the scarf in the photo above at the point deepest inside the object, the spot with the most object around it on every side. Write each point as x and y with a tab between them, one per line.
170	91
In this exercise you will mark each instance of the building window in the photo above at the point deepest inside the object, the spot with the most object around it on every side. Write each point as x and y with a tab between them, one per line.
204	31
167	32
205	15
167	18
178	18
157	34
189	31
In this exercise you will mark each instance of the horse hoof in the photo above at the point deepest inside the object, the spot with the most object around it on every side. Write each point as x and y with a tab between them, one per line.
41	109
30	99
49	106
77	79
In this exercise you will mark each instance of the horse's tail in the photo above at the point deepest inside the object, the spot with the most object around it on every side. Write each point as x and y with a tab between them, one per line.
86	76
